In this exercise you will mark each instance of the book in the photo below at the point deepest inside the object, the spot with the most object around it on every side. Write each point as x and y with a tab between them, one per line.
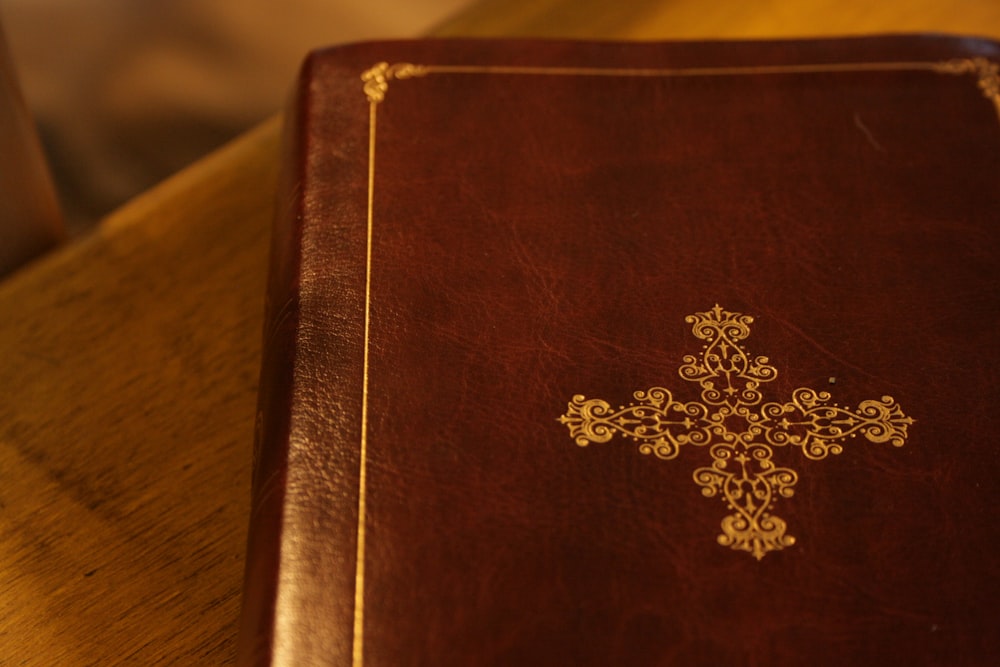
633	354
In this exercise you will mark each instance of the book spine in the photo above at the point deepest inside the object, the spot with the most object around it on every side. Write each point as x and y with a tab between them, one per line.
271	441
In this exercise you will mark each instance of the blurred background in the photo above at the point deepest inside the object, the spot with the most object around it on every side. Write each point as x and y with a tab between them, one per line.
126	92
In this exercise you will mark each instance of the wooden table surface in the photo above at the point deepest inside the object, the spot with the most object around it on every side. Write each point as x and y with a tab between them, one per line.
129	368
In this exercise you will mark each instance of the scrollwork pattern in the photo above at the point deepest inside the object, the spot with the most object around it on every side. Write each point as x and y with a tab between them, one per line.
987	73
376	78
739	429
658	423
726	373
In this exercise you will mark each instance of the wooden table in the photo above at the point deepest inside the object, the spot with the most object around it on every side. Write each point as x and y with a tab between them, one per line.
129	370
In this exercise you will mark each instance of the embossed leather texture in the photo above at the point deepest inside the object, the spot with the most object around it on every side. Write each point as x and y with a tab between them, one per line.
633	354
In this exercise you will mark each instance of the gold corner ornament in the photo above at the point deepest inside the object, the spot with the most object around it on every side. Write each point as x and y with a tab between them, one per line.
987	72
738	427
376	79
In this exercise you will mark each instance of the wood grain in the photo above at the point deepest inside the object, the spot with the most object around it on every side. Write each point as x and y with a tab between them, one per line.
126	420
129	374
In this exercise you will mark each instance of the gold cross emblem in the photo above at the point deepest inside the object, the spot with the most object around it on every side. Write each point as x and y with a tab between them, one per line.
738	427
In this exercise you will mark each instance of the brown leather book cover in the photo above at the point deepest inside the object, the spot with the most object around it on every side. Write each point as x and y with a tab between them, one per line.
633	354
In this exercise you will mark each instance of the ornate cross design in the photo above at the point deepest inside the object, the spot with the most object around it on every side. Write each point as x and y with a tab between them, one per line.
739	429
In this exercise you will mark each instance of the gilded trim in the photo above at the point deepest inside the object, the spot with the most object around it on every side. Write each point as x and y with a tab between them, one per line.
359	572
375	85
376	79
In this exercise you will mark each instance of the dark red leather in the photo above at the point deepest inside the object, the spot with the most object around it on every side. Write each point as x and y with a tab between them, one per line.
541	235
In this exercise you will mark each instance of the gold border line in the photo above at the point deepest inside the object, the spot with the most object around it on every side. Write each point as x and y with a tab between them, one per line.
359	576
376	84
682	71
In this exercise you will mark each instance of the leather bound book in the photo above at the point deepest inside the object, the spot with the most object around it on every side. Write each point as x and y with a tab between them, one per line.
633	354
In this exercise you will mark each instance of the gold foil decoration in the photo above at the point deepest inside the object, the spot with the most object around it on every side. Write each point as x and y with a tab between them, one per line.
739	428
376	79
987	73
